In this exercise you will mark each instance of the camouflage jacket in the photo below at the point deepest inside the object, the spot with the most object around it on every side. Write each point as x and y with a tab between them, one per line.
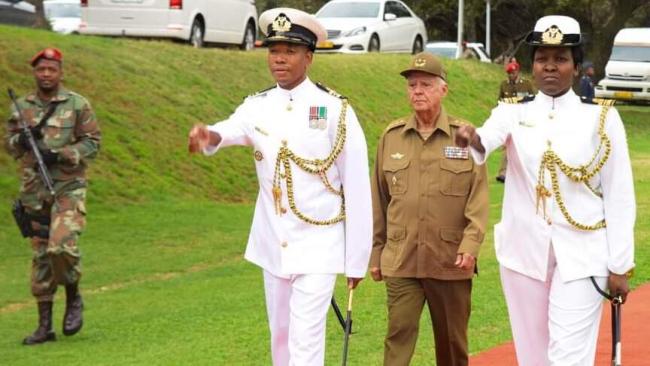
72	131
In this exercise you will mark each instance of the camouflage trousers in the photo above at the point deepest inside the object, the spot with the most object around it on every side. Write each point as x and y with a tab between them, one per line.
56	259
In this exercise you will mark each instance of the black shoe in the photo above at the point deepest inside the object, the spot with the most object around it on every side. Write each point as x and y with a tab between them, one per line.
44	332
73	318
501	179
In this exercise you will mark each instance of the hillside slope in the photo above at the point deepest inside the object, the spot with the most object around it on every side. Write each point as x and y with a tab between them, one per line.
148	93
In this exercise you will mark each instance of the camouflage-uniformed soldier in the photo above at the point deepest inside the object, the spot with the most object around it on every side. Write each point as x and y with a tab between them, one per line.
68	136
513	87
430	210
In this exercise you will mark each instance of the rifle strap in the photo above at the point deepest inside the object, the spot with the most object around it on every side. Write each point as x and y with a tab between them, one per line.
48	113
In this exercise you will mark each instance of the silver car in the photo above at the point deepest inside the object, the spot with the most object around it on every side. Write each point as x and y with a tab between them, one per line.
355	26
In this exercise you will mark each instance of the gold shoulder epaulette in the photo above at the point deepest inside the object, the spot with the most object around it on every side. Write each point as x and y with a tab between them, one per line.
398	123
330	91
512	100
517	100
600	101
261	93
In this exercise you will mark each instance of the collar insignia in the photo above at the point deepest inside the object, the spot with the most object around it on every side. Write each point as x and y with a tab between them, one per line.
281	24
397	156
553	35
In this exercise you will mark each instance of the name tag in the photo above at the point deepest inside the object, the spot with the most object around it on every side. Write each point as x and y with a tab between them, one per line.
455	152
526	123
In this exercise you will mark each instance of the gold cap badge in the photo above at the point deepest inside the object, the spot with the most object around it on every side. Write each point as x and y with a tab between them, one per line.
553	35
281	24
419	62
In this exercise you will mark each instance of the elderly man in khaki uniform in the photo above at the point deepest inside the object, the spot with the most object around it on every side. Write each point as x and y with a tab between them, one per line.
430	209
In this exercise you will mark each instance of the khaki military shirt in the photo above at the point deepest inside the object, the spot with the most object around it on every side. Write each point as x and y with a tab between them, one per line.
430	202
72	131
520	88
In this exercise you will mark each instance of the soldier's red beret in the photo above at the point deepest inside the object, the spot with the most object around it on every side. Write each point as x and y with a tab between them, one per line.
49	53
513	66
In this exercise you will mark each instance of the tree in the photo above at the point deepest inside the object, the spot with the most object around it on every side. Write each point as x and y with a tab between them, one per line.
600	20
40	21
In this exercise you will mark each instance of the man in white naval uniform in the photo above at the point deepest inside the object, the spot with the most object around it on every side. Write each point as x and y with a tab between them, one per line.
568	208
313	216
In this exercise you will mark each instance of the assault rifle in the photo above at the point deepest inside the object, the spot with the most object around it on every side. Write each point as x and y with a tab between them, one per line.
42	168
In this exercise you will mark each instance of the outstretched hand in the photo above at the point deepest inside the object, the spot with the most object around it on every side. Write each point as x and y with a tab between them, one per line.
465	135
199	138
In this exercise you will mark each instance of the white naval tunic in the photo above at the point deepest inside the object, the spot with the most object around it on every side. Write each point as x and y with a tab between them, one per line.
523	238
285	245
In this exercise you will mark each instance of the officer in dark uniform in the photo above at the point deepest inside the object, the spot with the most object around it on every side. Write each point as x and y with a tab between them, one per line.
586	82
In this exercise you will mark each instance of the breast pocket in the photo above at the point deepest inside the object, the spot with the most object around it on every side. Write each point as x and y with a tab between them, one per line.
396	175
59	130
455	177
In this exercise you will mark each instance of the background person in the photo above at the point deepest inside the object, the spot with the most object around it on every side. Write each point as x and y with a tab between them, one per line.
309	151
513	87
68	137
430	209
586	81
568	207
467	53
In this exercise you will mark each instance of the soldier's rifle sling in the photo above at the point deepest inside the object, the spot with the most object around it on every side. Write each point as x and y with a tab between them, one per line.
42	169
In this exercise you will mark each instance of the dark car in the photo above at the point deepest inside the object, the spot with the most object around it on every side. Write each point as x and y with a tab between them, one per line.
17	12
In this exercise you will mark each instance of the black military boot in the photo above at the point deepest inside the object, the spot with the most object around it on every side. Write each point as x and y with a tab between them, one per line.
44	332
73	319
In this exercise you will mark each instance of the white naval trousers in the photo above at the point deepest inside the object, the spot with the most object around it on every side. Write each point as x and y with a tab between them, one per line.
297	309
553	322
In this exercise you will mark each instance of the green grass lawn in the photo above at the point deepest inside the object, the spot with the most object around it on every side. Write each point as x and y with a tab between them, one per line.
164	279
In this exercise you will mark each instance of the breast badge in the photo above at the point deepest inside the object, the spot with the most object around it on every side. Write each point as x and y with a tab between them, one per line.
258	155
397	156
318	118
455	152
526	123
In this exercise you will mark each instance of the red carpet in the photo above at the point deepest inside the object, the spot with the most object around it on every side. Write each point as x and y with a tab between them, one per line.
635	338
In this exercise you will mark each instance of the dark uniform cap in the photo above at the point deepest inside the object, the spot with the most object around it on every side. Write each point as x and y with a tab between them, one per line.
48	54
291	26
555	31
426	62
587	64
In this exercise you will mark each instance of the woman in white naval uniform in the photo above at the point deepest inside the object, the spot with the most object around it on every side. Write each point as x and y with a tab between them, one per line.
309	153
568	207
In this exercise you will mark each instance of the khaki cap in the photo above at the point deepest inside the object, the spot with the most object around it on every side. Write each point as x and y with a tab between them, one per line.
426	62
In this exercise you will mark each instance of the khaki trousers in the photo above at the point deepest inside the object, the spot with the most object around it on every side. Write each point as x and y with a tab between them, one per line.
449	305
